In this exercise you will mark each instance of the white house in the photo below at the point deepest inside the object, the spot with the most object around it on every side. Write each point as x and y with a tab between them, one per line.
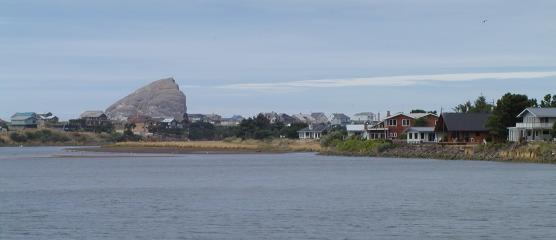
356	129
420	135
534	124
314	131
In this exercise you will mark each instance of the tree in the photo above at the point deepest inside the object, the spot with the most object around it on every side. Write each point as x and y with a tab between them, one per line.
505	113
463	108
418	111
479	106
548	101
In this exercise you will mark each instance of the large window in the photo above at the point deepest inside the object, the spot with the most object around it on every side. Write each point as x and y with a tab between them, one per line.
392	122
405	122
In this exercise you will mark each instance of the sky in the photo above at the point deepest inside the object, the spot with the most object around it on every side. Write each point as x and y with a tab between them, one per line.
249	56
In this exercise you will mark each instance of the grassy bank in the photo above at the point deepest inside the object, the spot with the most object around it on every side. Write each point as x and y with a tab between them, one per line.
229	145
47	137
535	152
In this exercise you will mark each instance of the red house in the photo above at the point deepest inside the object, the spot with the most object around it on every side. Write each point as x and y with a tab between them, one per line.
397	124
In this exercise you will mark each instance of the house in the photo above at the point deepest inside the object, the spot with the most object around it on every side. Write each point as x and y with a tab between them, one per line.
304	118
24	120
534	124
340	119
196	118
319	117
314	131
355	130
376	130
142	123
420	135
362	117
213	118
231	121
462	128
94	121
170	123
397	124
46	119
3	126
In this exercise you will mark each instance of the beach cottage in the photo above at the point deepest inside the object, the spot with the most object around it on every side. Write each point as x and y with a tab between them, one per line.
534	124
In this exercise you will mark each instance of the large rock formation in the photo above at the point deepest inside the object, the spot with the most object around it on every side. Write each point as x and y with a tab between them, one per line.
161	98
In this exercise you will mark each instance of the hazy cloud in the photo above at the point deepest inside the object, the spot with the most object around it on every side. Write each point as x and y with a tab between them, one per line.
403	80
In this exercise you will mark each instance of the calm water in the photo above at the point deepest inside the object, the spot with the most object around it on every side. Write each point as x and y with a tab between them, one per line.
289	196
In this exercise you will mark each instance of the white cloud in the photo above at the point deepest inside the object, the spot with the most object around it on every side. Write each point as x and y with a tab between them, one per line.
403	80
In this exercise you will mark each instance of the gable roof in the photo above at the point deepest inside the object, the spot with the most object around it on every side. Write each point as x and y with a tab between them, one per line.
92	114
539	112
466	122
412	115
23	116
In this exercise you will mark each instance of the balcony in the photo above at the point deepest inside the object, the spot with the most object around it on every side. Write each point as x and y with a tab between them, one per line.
534	125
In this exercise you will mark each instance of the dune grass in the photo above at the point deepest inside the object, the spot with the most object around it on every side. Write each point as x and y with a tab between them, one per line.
276	145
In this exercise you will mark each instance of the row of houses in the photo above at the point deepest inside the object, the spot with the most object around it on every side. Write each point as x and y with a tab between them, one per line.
533	124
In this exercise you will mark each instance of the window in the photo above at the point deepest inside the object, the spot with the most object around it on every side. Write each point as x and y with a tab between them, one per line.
392	122
410	135
405	122
422	135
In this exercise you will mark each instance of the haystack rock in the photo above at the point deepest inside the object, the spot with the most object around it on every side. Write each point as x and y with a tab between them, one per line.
161	98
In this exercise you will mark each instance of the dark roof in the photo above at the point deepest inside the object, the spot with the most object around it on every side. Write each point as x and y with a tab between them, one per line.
540	112
470	122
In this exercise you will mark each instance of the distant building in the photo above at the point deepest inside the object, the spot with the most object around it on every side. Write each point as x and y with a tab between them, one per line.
420	135
340	119
363	117
142	123
213	118
275	117
46	120
231	121
170	123
376	130
314	131
319	117
462	127
534	124
197	118
304	118
3	126
355	130
94	118
24	120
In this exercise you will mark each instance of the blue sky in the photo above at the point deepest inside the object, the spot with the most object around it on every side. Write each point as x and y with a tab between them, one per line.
248	56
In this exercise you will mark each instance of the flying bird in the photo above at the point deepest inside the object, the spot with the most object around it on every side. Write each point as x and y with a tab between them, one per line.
484	20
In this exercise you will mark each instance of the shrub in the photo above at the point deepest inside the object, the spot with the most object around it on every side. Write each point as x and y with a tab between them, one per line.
363	146
332	138
17	137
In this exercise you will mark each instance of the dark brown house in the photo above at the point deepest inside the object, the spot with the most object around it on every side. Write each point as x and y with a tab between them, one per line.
462	128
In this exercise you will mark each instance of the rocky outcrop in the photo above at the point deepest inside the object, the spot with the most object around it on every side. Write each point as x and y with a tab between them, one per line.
161	98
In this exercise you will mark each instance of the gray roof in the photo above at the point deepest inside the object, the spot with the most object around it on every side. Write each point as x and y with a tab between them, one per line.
420	129
23	116
92	114
540	112
465	122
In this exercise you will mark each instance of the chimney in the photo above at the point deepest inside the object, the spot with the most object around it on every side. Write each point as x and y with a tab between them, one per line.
388	113
378	117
